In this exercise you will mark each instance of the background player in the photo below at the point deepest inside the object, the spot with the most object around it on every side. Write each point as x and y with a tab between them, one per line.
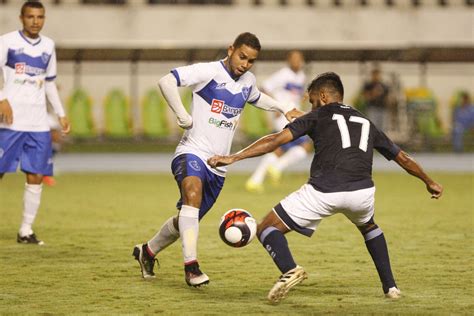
340	181
220	92
28	60
286	86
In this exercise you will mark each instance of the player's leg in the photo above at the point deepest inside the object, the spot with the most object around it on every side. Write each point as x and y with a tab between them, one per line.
377	247
255	182
359	208
297	151
56	140
36	162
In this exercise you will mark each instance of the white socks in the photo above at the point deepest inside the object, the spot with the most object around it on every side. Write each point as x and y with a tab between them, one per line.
259	174
188	222
31	203
167	235
293	155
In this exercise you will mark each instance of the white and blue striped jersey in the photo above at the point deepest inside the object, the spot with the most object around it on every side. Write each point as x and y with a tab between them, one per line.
285	86
26	65
218	101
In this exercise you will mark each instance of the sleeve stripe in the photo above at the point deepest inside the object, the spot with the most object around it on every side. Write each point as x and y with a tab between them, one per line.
176	75
256	100
50	78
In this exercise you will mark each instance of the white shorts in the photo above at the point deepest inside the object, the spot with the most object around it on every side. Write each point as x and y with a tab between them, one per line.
302	210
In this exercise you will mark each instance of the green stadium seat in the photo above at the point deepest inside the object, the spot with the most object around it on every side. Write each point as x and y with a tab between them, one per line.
422	107
117	115
80	114
154	115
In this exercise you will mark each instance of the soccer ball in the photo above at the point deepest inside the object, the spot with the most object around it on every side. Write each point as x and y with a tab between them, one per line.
237	227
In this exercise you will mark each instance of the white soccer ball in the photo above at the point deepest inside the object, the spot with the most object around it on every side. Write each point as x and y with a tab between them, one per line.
237	228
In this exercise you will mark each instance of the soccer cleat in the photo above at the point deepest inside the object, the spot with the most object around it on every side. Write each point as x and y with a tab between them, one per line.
146	261
393	293
285	283
194	276
274	174
29	239
254	187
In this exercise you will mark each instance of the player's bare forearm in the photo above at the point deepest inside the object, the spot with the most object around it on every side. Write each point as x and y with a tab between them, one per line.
413	168
262	146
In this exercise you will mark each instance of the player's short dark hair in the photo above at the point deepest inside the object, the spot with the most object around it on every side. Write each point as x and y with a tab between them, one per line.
31	4
248	39
328	80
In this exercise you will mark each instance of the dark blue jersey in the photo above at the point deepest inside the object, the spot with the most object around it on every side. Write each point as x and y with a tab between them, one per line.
344	142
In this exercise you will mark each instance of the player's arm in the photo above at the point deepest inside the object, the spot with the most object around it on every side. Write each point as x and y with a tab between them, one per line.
6	113
267	103
53	97
262	146
413	168
169	88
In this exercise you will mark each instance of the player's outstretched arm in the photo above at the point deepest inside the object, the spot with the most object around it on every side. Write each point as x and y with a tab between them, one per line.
413	168
169	88
267	103
262	146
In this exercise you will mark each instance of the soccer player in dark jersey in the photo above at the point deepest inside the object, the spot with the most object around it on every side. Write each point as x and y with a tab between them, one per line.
340	181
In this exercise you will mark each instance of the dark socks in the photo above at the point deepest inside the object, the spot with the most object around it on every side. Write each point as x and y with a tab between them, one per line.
277	246
377	247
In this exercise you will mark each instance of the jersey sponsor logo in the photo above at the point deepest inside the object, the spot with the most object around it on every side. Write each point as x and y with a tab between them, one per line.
20	68
195	165
39	83
221	123
219	106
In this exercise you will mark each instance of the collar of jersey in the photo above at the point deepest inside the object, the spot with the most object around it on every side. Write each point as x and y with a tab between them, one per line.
28	41
228	72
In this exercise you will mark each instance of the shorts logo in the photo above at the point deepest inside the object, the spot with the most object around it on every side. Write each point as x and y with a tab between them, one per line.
2	152
194	164
20	68
217	105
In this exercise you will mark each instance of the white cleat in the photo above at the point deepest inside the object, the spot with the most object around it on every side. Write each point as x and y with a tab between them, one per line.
393	293
285	283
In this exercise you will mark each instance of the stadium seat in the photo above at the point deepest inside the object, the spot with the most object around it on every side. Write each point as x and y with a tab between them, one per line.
154	116
80	114
422	107
117	115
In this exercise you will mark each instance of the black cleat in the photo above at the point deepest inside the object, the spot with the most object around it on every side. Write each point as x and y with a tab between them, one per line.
146	261
194	276
29	239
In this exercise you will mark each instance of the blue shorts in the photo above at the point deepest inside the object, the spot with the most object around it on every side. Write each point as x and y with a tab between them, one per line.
296	142
186	165
32	150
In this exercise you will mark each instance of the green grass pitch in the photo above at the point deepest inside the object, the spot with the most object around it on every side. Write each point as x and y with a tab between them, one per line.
90	223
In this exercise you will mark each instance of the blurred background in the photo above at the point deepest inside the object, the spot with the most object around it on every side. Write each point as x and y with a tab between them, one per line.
111	54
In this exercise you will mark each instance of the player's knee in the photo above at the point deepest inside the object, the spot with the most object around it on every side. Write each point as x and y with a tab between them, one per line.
370	230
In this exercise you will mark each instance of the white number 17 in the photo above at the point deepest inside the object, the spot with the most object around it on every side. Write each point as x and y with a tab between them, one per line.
345	137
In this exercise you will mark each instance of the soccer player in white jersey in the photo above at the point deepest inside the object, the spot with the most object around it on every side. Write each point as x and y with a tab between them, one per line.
28	60
340	182
286	86
220	91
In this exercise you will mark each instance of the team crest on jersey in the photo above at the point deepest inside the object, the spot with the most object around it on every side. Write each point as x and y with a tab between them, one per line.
20	68
220	86
245	92
194	164
18	51
45	57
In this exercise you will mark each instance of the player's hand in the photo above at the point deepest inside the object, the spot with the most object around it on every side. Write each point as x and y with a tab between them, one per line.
6	113
219	161
293	114
186	122
435	189
65	125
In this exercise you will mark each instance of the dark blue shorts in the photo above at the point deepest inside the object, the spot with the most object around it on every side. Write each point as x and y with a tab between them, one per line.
186	165
296	142
32	150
